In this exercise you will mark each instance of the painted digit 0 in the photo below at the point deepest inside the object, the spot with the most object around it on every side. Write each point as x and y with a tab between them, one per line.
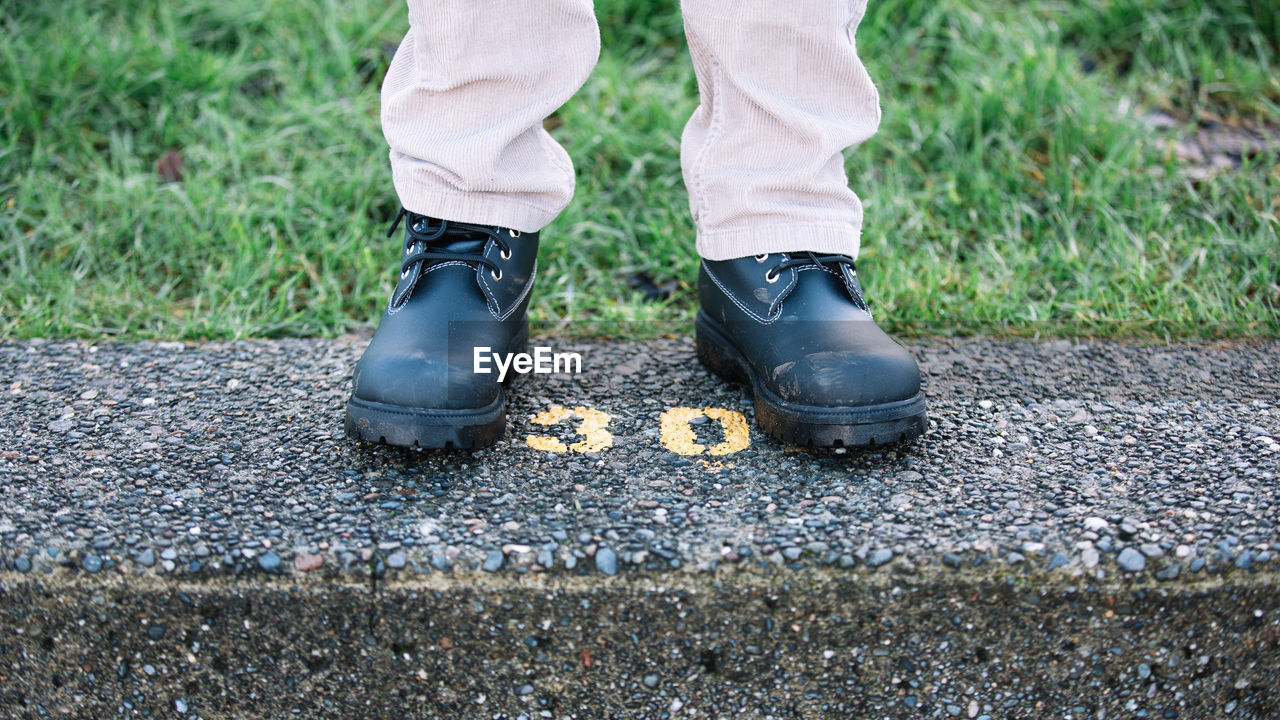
679	438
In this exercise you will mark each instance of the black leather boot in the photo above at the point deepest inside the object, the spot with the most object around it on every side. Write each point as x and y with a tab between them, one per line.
795	327
461	287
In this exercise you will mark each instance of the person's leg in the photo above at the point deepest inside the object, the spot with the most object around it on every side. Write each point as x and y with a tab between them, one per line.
783	95
464	100
463	105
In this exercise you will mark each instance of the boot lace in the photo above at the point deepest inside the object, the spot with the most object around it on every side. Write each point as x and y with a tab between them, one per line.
424	234
827	262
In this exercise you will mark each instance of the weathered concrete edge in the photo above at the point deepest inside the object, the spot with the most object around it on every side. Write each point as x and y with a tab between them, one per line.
737	642
641	581
1057	566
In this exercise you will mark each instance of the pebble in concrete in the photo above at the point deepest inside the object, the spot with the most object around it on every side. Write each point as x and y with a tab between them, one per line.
269	561
607	561
1131	560
493	561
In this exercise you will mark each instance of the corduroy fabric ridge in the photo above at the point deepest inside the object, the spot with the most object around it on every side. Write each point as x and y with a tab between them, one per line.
783	95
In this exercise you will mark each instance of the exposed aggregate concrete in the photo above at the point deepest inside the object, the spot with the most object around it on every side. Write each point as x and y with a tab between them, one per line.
190	460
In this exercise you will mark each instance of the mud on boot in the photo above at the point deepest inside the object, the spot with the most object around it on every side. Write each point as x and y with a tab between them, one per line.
795	328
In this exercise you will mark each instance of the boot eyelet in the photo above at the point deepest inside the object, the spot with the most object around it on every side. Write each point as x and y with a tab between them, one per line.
771	277
496	275
505	255
762	258
514	233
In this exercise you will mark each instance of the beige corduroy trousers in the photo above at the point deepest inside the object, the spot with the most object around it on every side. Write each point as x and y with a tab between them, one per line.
783	94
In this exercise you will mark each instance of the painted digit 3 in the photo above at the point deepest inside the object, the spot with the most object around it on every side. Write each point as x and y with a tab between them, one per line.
592	426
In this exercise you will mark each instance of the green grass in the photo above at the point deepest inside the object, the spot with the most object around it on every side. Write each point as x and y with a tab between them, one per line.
1009	190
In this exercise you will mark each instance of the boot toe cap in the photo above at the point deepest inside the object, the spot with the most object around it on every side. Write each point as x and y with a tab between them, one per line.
422	382
848	378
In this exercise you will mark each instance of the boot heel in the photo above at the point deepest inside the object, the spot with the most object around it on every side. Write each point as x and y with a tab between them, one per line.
715	352
519	345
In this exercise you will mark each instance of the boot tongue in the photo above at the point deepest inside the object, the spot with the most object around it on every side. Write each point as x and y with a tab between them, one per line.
464	241
839	275
460	240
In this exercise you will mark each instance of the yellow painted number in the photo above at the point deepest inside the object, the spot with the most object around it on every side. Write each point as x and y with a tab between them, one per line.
591	426
679	438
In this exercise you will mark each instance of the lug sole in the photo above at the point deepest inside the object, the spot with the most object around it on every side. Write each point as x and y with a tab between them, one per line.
432	428
809	425
426	429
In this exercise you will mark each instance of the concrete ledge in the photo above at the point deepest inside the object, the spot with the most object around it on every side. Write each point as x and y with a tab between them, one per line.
727	644
1087	530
